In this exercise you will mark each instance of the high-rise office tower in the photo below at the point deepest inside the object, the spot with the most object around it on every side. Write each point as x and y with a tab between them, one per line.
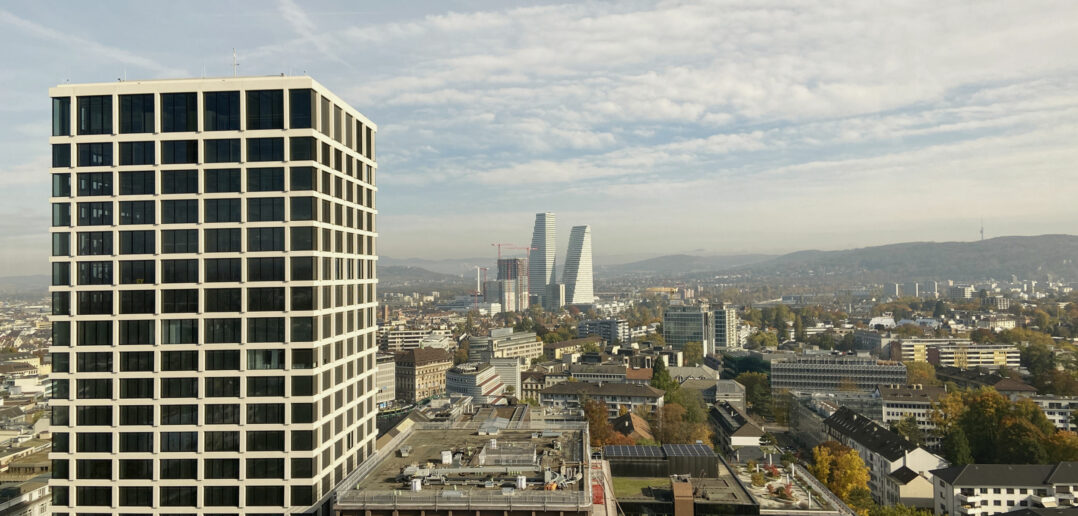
541	259
578	272
683	324
512	285
213	298
725	322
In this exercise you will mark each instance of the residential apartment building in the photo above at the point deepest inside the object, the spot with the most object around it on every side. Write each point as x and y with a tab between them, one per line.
505	343
982	489
901	401
683	324
986	356
480	381
1059	410
725	323
571	395
610	330
385	379
508	370
899	471
421	373
213	295
830	373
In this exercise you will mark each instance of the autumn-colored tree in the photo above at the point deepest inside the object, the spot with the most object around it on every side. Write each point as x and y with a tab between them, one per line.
898	510
1063	446
907	427
598	422
840	468
996	429
921	373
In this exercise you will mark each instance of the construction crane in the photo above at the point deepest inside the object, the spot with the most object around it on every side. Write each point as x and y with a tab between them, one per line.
500	246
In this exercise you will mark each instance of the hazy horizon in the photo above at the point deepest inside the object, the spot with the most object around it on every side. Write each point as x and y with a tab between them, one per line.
718	128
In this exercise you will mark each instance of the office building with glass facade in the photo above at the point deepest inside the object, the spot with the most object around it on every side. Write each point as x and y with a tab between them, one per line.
213	296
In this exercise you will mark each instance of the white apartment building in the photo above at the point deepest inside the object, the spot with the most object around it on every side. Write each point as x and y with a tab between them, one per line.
213	295
899	471
983	489
901	401
393	340
385	380
1059	410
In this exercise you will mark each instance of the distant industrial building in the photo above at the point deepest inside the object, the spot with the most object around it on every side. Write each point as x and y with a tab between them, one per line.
831	373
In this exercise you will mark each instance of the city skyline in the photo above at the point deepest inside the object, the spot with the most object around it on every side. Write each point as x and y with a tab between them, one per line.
891	123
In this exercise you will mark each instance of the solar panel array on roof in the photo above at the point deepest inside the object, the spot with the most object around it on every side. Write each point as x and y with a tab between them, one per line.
687	450
632	451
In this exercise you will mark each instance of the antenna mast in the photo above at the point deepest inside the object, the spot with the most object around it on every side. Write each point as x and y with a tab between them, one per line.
235	65
982	229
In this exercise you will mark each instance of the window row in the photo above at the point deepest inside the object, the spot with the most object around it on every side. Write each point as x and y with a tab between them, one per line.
185	496
185	211
178	469
220	112
175	415
144	361
185	331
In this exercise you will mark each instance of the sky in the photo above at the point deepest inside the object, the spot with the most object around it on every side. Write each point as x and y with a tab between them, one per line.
726	127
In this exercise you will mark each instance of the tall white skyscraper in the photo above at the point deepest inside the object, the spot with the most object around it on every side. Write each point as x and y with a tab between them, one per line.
541	259
213	296
578	273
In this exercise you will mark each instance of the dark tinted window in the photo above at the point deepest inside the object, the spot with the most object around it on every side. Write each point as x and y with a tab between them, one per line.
265	179
136	153
61	214
137	242
265	269
223	240
265	239
302	148
179	181
265	149
137	212
301	178
179	151
136	113
179	301
94	333
95	243
222	331
223	180
222	111
61	155
223	360
95	302
61	185
138	302
222	210
95	213
137	183
179	331
223	270
222	151
95	154
61	116
137	332
301	108
179	241
265	209
95	273
179	271
179	112
265	329
265	109
95	114
182	211
96	183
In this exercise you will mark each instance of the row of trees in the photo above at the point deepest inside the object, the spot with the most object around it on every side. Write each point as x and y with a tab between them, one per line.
984	426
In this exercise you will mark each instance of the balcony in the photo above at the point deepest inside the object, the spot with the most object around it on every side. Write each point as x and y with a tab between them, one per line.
1045	500
973	500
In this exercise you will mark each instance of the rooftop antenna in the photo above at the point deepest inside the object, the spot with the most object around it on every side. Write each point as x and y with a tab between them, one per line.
982	228
235	64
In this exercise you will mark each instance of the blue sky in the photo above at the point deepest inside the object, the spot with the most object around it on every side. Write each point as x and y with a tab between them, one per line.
722	128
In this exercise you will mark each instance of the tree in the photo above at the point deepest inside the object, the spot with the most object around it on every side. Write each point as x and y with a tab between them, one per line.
939	310
898	510
693	353
997	429
907	427
461	354
598	422
660	376
757	392
921	373
860	500
763	339
839	468
955	447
